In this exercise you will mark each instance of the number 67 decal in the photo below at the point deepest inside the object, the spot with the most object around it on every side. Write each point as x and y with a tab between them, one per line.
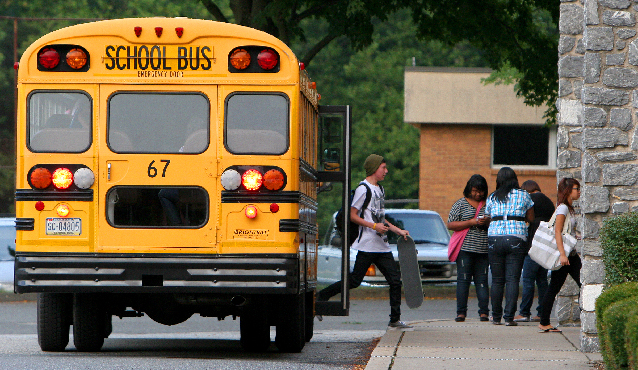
152	171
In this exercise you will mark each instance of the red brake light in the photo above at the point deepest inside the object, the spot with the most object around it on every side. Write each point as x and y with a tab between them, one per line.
49	58
158	31
179	31
240	59
40	178
252	180
138	31
62	178
267	59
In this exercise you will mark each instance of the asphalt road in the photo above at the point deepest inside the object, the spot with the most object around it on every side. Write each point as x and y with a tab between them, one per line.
206	343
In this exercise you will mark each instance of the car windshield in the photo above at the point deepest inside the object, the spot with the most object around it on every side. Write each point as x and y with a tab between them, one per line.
423	227
7	240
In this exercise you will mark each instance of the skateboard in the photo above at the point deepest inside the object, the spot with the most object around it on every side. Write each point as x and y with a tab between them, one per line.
410	273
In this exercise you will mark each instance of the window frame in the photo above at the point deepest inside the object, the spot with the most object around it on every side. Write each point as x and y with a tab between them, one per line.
273	93
136	92
50	91
551	149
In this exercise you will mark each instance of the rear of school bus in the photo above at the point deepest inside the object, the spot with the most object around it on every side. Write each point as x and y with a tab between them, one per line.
162	171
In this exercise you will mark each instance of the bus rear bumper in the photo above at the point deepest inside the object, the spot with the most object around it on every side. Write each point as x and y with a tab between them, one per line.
80	273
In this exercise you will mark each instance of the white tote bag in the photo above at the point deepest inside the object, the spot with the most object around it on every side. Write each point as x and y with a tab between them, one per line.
544	250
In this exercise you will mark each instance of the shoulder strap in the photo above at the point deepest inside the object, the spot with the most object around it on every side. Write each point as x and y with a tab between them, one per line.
366	201
567	226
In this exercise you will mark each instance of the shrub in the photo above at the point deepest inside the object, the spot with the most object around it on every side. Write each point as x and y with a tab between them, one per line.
619	240
615	319
631	341
607	298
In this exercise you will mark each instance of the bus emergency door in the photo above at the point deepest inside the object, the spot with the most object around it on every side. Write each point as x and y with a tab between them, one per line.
158	169
334	159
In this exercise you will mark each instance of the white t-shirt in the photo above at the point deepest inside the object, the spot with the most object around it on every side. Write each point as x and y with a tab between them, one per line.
370	240
562	209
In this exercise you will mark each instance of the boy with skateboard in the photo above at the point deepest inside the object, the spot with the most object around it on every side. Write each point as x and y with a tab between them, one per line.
372	244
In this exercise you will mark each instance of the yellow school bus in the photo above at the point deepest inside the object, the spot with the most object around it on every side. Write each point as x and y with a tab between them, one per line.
170	167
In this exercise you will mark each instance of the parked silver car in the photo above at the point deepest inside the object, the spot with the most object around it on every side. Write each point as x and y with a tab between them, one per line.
7	252
426	228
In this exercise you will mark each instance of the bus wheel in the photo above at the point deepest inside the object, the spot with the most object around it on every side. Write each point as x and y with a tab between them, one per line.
310	315
255	331
291	323
54	320
88	322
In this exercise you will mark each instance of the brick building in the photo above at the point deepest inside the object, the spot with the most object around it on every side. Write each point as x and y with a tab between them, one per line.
467	127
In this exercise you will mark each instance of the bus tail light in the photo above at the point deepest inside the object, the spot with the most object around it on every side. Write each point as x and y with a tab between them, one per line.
49	58
372	271
267	59
62	178
40	178
76	58
84	178
251	211
273	179
240	59
252	180
231	179
62	210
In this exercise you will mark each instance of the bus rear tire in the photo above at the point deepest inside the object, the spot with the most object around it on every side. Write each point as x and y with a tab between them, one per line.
54	320
291	324
310	315
89	324
255	331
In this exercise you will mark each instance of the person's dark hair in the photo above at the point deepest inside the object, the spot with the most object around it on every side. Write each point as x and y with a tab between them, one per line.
506	180
478	182
565	187
530	186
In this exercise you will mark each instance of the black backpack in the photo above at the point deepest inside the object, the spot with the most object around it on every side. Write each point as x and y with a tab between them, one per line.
354	232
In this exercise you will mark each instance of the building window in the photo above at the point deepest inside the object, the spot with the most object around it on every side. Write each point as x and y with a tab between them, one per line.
524	146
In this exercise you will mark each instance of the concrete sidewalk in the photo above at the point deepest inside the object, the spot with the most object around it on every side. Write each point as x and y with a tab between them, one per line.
476	345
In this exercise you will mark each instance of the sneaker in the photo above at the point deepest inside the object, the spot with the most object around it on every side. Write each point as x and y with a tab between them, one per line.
520	318
399	325
511	323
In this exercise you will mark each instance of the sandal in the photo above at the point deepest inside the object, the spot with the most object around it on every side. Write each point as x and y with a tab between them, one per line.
484	317
550	330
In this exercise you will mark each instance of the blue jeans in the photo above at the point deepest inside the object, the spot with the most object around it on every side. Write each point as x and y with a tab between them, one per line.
506	254
533	273
470	265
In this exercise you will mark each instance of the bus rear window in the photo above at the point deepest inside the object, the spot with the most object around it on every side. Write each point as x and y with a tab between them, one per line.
150	207
59	121
158	122
257	123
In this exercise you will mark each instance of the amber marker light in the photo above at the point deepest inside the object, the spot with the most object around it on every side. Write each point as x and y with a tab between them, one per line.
251	211
76	58
273	180
252	180
40	178
62	178
240	59
62	210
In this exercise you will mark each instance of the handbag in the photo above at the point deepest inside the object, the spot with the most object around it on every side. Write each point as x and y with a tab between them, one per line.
457	238
544	250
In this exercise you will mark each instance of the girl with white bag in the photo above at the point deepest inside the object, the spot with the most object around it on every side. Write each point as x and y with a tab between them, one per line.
568	192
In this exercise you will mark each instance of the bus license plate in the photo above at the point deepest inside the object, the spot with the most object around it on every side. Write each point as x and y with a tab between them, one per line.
64	226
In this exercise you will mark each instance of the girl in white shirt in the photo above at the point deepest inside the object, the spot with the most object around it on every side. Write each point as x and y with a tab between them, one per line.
568	192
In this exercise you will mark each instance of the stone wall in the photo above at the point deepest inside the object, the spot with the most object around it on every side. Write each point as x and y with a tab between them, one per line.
598	55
